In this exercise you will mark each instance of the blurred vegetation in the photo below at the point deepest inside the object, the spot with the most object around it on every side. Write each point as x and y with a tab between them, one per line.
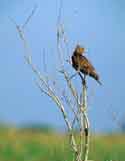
36	127
27	145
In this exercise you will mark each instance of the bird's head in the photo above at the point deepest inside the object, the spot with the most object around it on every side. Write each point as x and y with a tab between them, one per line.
79	50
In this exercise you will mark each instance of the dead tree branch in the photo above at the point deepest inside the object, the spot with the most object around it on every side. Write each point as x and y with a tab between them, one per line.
79	111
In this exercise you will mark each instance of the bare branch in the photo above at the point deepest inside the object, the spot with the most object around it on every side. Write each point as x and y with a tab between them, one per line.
60	13
29	17
86	121
70	105
42	90
48	87
49	90
71	87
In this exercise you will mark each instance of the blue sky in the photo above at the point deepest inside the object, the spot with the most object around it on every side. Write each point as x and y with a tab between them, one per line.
97	25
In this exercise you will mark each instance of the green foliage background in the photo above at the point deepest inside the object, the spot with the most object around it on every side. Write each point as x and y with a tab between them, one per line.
27	145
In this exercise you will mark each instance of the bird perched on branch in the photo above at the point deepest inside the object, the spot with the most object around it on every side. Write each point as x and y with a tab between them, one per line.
82	64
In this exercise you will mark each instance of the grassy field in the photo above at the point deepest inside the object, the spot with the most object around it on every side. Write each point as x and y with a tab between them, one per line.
29	146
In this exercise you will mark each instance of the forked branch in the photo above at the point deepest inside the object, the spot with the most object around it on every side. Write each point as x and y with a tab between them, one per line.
80	111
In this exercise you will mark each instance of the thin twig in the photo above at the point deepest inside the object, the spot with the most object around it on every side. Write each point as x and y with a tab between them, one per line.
70	105
29	17
60	13
71	87
59	34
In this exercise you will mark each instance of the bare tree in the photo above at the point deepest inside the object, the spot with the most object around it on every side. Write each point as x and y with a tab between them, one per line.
71	98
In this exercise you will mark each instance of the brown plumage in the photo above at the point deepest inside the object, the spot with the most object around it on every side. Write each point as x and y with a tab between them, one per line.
82	64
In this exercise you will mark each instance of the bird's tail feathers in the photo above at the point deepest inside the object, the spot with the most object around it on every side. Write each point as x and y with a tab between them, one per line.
99	82
96	77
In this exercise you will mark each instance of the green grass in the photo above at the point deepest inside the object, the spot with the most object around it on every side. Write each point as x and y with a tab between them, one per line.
28	146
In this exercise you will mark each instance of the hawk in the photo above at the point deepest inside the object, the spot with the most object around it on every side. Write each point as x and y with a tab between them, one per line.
82	64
